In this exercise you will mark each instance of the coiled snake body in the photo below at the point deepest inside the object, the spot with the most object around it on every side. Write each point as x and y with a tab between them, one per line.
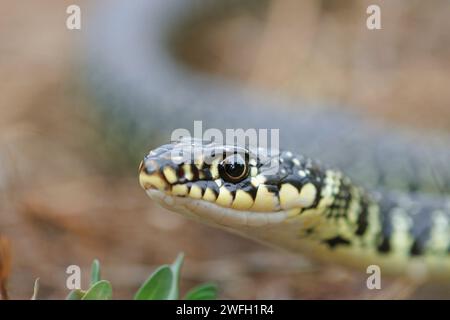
386	204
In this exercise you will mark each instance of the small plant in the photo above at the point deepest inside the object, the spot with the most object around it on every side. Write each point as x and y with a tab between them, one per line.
163	284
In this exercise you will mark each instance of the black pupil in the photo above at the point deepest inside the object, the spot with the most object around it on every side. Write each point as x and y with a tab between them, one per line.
234	167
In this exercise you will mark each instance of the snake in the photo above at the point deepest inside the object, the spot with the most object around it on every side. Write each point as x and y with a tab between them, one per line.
347	190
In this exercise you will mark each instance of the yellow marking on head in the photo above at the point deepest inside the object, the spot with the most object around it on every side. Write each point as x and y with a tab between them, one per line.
225	198
188	172
265	200
242	200
256	181
214	168
253	172
198	162
288	196
153	180
291	198
196	192
308	195
296	162
170	174
209	195
218	182
179	190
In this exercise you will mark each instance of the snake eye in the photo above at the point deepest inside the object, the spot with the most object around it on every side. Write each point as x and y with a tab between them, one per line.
233	168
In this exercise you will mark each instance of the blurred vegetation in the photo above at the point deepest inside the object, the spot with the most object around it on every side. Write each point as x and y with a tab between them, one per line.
163	284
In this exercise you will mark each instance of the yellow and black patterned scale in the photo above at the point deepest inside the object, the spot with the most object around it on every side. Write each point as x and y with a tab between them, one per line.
302	206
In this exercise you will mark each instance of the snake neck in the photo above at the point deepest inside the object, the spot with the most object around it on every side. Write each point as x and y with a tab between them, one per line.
345	216
353	226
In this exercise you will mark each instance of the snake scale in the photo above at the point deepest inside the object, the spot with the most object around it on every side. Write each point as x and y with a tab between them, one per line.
380	194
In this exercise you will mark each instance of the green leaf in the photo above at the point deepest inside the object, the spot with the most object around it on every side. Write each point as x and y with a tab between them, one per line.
158	286
76	294
176	267
206	291
101	290
95	272
36	289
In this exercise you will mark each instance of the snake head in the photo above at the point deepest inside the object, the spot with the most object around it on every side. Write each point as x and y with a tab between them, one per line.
230	185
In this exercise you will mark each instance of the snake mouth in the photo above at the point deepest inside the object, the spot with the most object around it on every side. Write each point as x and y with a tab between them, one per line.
214	214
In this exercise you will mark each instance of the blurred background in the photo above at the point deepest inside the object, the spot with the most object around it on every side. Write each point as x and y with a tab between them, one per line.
66	199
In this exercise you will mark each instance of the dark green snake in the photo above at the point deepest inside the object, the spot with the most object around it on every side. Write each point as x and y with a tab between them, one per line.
381	197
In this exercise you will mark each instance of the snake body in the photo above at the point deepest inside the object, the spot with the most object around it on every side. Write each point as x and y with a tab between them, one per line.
386	204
